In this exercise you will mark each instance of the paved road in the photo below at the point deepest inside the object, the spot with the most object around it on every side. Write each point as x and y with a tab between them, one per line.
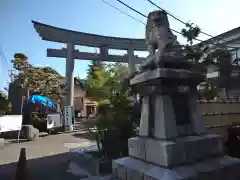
48	157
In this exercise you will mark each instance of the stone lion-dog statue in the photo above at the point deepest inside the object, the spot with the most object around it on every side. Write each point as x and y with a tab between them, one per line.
159	37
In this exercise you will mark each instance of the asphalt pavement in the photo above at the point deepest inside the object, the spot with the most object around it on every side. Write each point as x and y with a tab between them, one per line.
48	157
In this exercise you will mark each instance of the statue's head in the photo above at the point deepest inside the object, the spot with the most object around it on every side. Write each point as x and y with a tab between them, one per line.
158	18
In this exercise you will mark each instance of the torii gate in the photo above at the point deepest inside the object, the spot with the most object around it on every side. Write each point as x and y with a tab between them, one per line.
71	38
104	43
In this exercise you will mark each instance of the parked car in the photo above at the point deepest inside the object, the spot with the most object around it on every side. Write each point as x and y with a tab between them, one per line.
79	114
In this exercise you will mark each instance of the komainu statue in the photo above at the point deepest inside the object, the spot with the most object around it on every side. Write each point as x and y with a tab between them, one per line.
159	36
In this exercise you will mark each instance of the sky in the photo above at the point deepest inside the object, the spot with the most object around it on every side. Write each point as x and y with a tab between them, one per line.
17	34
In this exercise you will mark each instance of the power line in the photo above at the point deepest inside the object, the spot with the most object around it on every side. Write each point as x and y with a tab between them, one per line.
132	8
123	12
185	23
11	75
175	18
3	54
146	17
170	14
136	12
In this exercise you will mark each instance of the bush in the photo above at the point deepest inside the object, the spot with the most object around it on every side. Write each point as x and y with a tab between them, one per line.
115	125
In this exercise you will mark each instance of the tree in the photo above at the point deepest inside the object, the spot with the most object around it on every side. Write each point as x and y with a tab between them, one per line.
191	32
3	96
207	91
115	117
118	73
40	80
4	103
93	66
223	60
102	82
194	53
203	56
95	84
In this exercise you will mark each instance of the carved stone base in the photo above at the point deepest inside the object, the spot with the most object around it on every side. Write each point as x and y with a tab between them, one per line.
153	76
218	168
170	153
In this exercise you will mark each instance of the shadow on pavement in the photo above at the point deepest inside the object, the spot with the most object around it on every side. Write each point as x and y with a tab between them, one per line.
16	141
84	135
44	168
84	123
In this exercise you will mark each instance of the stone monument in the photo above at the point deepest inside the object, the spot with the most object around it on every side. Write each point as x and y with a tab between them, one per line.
172	142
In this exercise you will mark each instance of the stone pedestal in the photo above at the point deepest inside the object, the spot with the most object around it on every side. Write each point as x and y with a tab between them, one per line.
172	142
216	168
170	153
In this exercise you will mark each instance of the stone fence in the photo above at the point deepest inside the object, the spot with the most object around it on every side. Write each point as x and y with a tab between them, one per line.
218	115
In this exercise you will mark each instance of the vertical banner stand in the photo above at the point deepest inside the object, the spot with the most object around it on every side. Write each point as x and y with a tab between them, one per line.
69	118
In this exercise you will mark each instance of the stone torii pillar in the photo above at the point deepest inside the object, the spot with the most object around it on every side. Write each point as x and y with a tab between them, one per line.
131	60
132	67
69	78
103	52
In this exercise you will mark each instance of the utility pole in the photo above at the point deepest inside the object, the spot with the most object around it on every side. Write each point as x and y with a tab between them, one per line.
11	75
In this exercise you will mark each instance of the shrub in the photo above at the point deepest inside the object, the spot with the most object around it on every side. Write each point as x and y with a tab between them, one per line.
114	125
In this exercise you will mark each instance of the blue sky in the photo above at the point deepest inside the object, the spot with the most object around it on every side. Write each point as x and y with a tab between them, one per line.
93	16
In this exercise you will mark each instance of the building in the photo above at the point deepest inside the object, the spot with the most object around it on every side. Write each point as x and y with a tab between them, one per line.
231	41
234	88
82	103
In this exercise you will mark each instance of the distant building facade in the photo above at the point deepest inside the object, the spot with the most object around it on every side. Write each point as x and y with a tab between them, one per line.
82	103
234	88
231	41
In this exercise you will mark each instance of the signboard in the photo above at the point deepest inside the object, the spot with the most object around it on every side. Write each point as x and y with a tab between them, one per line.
68	115
54	120
10	123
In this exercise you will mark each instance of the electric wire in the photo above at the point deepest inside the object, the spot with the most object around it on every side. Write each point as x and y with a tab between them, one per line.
176	18
216	44
136	12
123	12
2	54
185	23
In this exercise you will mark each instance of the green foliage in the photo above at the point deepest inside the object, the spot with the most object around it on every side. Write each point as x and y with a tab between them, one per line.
43	80
101	82
204	56
114	125
5	105
3	102
208	91
191	32
3	96
222	58
95	84
194	53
